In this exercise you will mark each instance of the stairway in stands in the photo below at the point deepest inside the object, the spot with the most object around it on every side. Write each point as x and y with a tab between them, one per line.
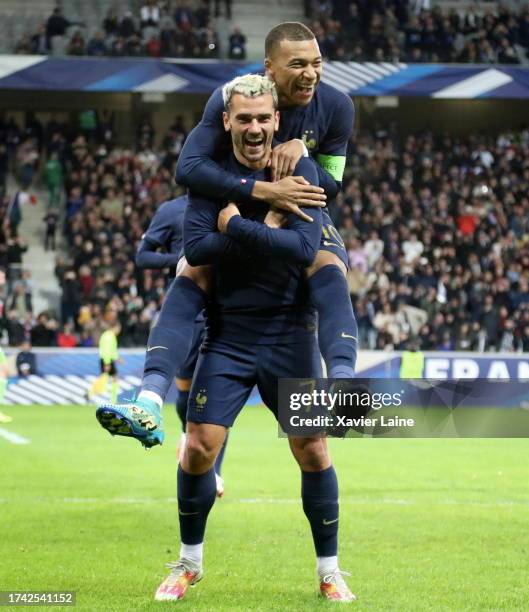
40	263
256	18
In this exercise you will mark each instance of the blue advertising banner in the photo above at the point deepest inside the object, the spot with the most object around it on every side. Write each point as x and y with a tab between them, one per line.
35	72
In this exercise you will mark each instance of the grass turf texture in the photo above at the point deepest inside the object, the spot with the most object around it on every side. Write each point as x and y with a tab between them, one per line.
425	524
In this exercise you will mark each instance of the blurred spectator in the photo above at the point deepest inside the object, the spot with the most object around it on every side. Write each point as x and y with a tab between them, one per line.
44	332
53	177
96	45
149	18
394	31
57	25
154	32
66	338
237	45
71	297
76	46
39	41
51	218
26	361
27	161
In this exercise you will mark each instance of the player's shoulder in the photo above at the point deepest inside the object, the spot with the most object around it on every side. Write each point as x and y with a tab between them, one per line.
306	167
333	97
169	207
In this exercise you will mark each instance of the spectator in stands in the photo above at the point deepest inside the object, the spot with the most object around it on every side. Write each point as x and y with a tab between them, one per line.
183	16
44	333
39	41
149	19
66	337
20	301
16	247
50	219
27	160
76	46
237	45
57	25
24	45
71	297
96	45
26	361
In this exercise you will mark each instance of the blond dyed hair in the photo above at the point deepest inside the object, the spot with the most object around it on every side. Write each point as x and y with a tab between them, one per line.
249	86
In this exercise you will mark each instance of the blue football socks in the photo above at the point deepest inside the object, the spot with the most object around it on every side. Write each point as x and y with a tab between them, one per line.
337	328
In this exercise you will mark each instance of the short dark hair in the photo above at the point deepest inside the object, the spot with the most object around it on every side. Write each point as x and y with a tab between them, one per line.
289	30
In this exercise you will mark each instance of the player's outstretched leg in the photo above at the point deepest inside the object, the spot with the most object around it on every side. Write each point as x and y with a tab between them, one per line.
167	348
196	496
170	339
319	493
337	328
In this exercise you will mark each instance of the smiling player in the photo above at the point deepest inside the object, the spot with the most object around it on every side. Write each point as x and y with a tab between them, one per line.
260	328
314	116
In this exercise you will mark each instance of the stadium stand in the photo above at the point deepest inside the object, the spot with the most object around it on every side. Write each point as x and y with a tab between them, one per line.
398	31
436	229
153	28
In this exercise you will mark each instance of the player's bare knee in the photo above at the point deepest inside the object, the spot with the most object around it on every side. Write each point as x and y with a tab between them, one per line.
325	258
183	384
311	454
200	275
203	444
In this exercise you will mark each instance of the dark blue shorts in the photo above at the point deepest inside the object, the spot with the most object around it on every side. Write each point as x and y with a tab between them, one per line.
185	372
227	372
332	241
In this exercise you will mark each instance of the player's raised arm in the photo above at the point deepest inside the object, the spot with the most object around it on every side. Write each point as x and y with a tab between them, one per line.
203	244
197	169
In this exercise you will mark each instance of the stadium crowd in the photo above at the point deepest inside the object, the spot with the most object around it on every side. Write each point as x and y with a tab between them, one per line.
157	30
402	31
436	228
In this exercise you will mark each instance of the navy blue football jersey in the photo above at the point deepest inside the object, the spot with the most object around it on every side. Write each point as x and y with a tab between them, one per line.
165	231
259	293
325	126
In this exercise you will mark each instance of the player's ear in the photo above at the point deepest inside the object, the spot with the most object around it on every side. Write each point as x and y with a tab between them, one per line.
226	121
276	121
268	67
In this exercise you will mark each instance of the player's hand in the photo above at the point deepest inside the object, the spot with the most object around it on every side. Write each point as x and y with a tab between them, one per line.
285	158
225	215
290	193
275	219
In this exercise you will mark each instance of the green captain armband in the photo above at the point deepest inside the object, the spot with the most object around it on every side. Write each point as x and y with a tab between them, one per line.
333	164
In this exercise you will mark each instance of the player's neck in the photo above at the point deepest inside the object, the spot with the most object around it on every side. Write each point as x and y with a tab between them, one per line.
257	165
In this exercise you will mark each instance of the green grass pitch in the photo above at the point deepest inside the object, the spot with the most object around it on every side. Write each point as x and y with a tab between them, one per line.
425	524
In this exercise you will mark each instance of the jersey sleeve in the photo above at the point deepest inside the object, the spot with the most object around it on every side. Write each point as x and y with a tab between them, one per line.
148	257
331	156
158	234
160	228
196	167
203	244
298	243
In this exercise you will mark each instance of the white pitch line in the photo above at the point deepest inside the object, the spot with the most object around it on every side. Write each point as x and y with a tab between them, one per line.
13	437
271	501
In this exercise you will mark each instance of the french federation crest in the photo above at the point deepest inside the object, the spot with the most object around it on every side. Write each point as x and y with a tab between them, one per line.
309	139
201	399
